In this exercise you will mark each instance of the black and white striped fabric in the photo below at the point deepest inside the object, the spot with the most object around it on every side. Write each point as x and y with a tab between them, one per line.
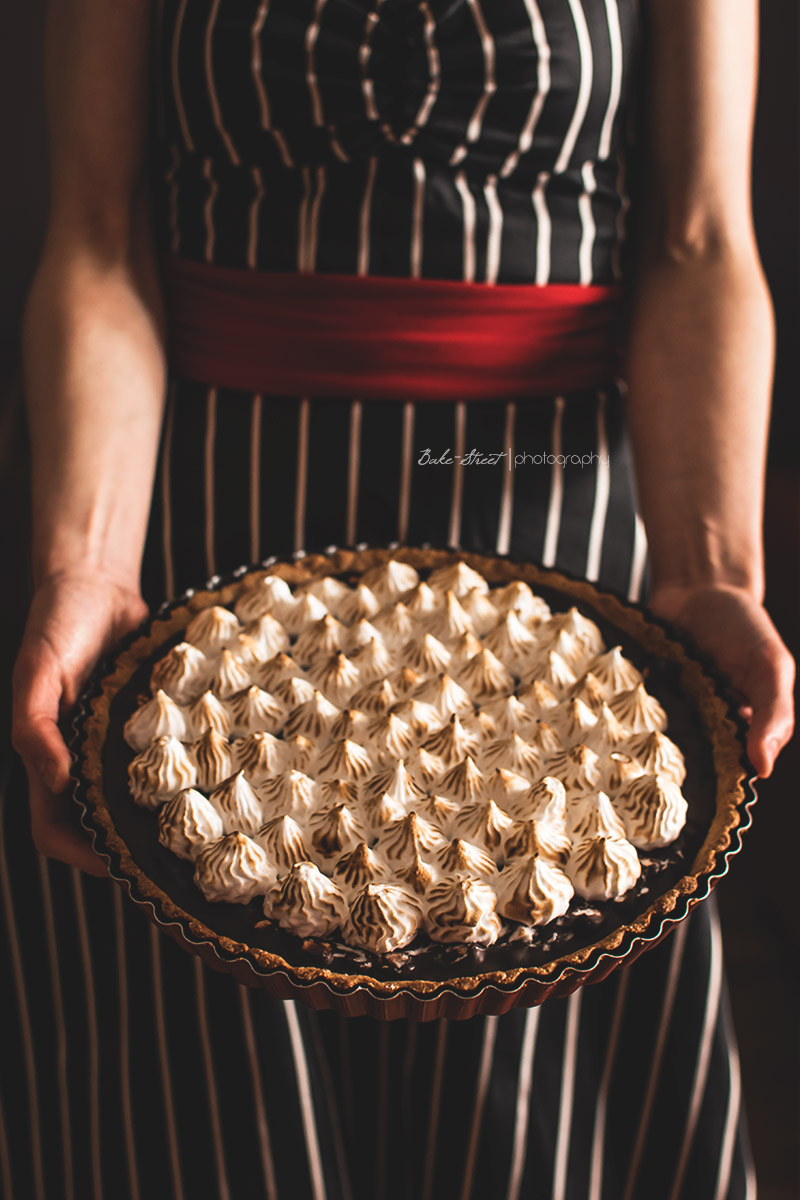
441	138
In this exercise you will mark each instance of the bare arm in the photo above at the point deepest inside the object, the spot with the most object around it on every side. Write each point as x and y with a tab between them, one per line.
94	370
700	365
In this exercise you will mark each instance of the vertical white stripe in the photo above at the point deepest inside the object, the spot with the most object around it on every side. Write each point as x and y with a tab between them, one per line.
302	476
475	123
584	87
601	1107
256	64
404	502
484	1073
364	218
434	74
223	1191
208	464
602	489
567	1095
731	1124
588	228
433	1116
302	222
364	55
522	1106
166	1075
353	466
333	1109
543	230
507	498
556	488
255	479
61	1029
469	219
312	33
615	86
175	74
253	218
208	210
417	218
264	1144
710	1019
306	1102
542	88
673	975
124	1047
94	1044
313	219
750	1181
166	502
639	560
212	86
454	531
495	236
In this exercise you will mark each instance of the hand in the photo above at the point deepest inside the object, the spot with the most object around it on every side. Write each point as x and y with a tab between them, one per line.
75	616
734	629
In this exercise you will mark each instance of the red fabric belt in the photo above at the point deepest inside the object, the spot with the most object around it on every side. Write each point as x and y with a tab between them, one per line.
386	338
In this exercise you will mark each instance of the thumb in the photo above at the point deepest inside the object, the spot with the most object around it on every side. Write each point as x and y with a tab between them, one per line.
38	689
770	694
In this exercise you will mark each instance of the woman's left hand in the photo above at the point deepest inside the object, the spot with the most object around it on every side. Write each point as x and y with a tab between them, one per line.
730	625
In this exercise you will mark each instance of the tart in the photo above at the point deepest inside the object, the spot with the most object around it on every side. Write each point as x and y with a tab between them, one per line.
411	782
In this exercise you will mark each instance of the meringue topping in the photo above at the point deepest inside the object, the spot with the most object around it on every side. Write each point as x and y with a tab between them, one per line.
603	868
444	695
212	630
653	811
282	840
237	804
383	918
360	603
533	890
161	770
187	823
158	717
254	709
639	711
214	759
307	903
182	673
234	869
260	755
463	910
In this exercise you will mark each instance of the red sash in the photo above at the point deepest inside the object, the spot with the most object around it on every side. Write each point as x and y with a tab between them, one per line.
387	338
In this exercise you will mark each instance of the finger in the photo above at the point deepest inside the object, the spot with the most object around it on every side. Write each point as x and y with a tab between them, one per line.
772	724
35	733
57	831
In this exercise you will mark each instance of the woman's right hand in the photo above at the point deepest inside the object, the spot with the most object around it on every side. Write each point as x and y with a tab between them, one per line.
75	616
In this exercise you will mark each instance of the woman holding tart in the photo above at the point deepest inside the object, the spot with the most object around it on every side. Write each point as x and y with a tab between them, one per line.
306	264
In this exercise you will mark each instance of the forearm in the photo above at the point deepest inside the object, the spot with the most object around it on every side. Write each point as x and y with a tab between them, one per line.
699	372
94	368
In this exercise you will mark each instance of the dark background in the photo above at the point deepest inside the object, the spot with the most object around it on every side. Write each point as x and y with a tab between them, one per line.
759	901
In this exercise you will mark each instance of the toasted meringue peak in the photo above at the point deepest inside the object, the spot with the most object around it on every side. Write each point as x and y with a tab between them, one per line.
380	809
207	712
513	753
614	672
212	630
306	609
590	690
537	698
293	691
444	695
182	673
307	903
451	743
549	668
314	718
426	655
507	787
293	792
416	875
361	634
282	840
509	716
577	626
373	661
253	710
426	768
159	717
383	918
518	598
214	759
603	868
237	804
482	724
260	755
421	602
408	837
332	592
359	867
344	759
234	869
390	735
360	603
510	640
478	606
462	650
337	677
639	711
391	580
320	639
405	681
450	621
187	823
485	677
338	791
422	718
268	635
544	738
458	578
300	750
619	768
533	890
574	720
546	801
527	838
395	625
578	768
485	824
655	753
571	649
394	781
162	769
266	594
351	723
438	810
278	669
607	733
247	650
593	815
653	811
336	829
462	782
460	858
463	910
